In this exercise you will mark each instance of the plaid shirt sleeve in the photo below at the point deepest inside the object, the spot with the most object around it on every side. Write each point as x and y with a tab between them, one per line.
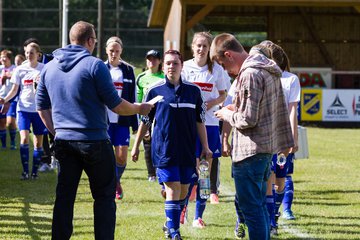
248	94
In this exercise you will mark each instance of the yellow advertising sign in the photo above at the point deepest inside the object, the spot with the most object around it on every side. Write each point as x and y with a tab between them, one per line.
311	104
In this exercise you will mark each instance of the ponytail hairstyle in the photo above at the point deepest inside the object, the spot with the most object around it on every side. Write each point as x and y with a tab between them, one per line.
277	54
209	39
260	49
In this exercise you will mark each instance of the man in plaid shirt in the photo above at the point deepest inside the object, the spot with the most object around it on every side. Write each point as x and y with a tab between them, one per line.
261	127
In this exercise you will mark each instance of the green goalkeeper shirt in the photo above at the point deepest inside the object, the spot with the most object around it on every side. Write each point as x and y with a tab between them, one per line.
145	80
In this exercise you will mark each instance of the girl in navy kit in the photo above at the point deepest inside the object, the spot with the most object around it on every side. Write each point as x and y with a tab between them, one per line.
178	117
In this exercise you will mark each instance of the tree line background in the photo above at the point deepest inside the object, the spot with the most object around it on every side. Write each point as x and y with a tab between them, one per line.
22	19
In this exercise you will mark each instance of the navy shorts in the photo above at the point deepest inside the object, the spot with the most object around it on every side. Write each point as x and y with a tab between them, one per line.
175	174
119	135
291	163
12	109
281	170
214	141
33	118
2	115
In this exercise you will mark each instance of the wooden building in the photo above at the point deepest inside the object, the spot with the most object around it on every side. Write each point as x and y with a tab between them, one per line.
314	33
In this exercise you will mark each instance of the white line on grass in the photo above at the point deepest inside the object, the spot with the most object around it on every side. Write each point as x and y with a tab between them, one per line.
227	190
295	232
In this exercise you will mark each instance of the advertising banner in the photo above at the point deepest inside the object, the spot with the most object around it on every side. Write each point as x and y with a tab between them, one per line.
311	104
314	77
341	105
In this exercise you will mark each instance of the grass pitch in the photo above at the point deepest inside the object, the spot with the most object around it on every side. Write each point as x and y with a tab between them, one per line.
326	203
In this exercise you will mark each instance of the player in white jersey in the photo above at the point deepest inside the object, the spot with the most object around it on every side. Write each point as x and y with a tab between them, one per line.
284	189
8	110
26	77
211	78
123	77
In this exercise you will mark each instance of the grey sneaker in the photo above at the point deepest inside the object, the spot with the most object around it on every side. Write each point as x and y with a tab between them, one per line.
240	230
273	231
288	215
54	163
166	231
176	237
34	176
45	168
152	179
24	176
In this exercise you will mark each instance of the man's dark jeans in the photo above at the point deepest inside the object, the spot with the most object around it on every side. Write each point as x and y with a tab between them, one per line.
97	159
250	176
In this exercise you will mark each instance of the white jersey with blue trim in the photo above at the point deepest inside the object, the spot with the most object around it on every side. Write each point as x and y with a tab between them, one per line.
209	83
230	94
6	87
118	80
291	87
26	77
176	117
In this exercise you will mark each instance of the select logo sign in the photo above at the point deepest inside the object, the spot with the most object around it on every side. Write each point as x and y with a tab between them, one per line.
330	105
337	105
337	108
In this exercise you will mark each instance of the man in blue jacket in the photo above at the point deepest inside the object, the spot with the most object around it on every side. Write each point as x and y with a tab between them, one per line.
74	91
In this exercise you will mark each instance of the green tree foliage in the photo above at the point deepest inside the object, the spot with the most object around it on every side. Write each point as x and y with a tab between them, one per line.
23	19
17	4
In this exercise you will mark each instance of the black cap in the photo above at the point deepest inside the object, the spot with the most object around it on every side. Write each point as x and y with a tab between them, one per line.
153	53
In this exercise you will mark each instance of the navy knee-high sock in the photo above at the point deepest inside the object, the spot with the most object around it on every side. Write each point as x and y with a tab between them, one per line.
191	186
279	196
183	203
200	205
119	171
38	152
172	213
24	156
3	138
270	204
289	193
12	133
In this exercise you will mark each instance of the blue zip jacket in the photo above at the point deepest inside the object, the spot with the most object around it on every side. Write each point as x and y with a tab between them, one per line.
128	93
77	87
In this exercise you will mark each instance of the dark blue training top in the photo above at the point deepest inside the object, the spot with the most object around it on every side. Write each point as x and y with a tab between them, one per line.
176	115
77	87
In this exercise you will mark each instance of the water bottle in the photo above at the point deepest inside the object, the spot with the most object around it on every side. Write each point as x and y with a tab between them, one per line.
281	160
204	179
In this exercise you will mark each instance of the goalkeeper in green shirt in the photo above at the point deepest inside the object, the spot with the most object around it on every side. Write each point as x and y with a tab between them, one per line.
145	79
